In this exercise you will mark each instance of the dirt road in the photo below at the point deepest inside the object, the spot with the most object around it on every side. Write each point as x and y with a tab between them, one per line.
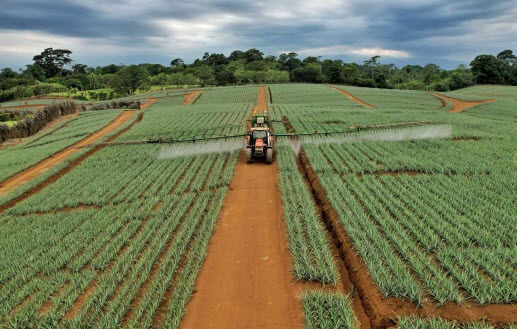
191	97
459	105
246	279
150	102
353	98
41	167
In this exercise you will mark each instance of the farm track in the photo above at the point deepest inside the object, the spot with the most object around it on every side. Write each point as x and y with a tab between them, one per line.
246	281
353	98
38	169
192	97
149	103
383	312
459	105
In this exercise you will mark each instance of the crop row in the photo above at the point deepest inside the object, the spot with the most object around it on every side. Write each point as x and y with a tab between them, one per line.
196	121
229	95
394	98
304	94
324	310
502	110
309	246
414	322
406	218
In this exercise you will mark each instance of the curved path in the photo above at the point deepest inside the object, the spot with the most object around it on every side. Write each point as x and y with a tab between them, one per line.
246	281
459	105
39	168
191	98
353	98
150	102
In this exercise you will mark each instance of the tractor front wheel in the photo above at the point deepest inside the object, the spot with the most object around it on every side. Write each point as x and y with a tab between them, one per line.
269	155
248	155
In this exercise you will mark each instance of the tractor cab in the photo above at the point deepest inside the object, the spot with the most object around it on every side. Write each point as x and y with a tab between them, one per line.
260	134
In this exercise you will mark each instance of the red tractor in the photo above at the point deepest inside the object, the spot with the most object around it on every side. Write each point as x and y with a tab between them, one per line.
259	140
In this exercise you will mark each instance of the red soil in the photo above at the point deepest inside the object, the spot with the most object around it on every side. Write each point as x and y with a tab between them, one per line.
246	279
353	98
262	101
30	173
150	102
191	98
80	301
459	105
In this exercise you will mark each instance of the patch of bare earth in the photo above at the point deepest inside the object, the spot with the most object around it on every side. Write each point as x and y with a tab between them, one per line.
192	97
459	105
149	103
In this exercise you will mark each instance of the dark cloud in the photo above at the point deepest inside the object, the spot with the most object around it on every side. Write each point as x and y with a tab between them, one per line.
437	31
64	18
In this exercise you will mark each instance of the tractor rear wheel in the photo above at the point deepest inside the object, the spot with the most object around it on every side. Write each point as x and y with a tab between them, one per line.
248	155
269	155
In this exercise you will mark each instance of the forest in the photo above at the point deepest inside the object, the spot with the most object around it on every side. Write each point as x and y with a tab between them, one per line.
55	72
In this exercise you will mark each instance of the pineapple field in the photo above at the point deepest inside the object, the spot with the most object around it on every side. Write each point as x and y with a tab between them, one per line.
382	209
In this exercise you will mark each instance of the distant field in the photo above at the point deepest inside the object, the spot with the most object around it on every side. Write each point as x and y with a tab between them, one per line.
341	231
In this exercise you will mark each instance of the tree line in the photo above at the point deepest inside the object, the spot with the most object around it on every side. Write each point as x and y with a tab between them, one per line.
54	71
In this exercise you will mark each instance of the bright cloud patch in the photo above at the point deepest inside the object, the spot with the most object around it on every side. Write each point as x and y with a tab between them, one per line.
348	50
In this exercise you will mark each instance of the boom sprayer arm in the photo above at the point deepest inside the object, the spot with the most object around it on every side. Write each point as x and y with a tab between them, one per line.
352	129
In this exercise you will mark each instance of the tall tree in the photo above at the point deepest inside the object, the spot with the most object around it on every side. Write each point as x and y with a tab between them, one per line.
488	69
53	61
510	62
129	79
252	55
236	55
177	62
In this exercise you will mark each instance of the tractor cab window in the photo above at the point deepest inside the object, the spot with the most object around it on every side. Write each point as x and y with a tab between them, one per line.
260	134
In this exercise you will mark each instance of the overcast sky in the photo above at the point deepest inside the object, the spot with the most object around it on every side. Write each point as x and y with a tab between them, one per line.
445	32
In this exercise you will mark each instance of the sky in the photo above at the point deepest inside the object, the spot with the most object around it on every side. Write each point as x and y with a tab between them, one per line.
444	32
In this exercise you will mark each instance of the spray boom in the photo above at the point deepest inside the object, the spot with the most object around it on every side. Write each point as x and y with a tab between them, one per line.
353	129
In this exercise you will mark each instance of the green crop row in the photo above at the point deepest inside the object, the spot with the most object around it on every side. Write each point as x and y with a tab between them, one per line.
308	243
306	94
414	322
229	95
196	121
324	310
